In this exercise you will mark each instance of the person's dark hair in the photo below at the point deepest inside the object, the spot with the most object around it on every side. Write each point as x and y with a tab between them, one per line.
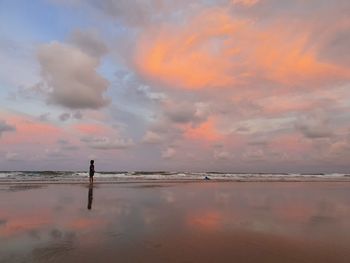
92	161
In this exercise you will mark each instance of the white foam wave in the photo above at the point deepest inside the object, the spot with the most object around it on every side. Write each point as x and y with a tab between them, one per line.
118	176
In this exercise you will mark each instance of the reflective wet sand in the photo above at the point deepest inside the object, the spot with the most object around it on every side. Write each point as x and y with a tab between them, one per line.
176	222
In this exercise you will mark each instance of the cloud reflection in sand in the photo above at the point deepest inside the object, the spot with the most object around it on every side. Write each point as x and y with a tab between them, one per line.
53	222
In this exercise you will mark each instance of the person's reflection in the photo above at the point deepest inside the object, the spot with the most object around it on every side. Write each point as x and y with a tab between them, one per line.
90	196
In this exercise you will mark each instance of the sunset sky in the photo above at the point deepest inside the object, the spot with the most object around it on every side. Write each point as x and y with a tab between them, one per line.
205	85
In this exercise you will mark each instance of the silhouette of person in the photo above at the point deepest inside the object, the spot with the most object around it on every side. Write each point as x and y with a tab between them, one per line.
92	171
90	196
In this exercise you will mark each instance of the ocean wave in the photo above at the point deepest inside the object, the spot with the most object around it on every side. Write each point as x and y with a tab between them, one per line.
81	176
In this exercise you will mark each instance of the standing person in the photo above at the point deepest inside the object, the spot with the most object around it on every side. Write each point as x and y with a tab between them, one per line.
92	171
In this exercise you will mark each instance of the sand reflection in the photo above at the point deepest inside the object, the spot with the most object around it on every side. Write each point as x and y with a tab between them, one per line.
263	222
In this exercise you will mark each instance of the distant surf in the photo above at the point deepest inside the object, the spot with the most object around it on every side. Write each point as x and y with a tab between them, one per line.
78	177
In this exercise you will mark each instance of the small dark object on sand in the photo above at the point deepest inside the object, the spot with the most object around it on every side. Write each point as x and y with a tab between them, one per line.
206	178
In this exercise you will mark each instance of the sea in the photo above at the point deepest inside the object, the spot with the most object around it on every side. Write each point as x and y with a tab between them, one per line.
115	177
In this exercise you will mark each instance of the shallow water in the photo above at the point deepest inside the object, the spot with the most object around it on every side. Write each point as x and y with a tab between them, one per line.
175	222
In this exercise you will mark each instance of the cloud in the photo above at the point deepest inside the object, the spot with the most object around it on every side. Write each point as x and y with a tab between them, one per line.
54	154
168	153
267	80
64	116
105	143
152	138
215	49
254	155
220	154
245	2
4	127
89	42
11	156
185	112
206	131
78	115
71	77
44	116
340	149
30	131
315	125
132	12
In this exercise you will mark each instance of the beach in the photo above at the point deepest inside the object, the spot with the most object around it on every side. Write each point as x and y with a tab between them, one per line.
154	221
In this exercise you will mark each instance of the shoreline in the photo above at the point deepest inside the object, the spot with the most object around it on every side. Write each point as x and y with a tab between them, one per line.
132	181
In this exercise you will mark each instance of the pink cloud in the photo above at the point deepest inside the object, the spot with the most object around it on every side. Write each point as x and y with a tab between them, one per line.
29	130
90	129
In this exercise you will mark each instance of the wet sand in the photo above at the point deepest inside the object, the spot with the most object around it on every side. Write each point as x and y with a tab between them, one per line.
176	222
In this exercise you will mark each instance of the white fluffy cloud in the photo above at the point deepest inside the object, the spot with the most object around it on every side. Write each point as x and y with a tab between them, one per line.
71	77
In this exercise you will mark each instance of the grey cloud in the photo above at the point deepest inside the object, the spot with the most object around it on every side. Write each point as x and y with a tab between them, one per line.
314	126
64	116
54	154
44	116
71	77
89	42
257	140
132	12
140	13
70	147
221	155
66	145
180	113
78	115
242	129
337	47
254	155
10	156
185	112
62	141
152	138
4	127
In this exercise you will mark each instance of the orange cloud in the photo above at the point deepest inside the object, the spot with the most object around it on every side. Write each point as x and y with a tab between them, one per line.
205	131
214	49
245	2
285	58
186	57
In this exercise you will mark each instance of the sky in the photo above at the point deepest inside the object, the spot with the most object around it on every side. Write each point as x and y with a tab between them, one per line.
203	85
